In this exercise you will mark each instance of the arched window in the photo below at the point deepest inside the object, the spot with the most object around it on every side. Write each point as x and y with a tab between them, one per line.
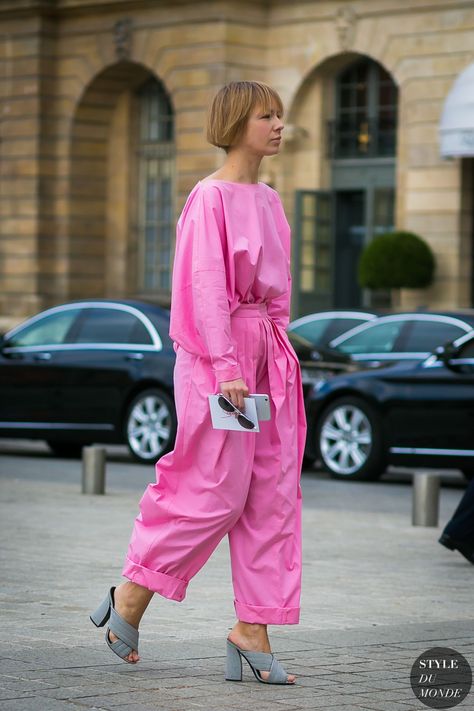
366	112
155	187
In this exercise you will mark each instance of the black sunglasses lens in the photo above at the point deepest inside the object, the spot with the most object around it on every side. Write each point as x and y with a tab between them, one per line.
248	424
225	405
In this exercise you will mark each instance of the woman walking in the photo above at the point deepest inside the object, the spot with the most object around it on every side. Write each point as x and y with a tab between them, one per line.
230	307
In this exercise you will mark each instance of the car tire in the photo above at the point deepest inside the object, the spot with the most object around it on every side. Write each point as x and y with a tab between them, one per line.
358	452
150	425
66	450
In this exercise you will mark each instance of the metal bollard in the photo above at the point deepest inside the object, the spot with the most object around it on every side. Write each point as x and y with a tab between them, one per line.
425	499
93	470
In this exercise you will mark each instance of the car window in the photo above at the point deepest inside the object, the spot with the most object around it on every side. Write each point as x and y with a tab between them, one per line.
379	338
46	331
341	325
111	326
313	330
425	336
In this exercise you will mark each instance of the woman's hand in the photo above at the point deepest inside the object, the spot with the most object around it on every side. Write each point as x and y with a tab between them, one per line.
235	391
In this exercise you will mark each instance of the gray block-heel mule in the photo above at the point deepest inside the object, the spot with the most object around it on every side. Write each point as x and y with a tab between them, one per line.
257	661
127	634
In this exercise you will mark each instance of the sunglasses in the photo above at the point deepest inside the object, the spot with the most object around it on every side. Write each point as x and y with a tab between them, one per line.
229	407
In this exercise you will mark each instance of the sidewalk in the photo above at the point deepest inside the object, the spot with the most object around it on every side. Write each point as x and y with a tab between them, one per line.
377	593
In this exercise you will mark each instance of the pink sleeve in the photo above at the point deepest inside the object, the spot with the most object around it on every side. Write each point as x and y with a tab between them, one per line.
279	308
209	275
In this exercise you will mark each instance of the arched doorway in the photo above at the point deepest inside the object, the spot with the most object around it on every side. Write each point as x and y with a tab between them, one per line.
121	187
358	103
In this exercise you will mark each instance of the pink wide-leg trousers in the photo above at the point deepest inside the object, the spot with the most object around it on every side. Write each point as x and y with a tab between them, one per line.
217	482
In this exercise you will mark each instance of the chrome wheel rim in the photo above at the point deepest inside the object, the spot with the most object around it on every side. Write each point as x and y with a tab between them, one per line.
149	427
346	439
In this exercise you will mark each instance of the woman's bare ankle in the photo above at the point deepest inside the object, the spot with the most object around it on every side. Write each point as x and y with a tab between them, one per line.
251	628
250	632
131	600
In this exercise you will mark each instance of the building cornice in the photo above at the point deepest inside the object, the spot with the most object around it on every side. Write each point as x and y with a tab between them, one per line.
22	8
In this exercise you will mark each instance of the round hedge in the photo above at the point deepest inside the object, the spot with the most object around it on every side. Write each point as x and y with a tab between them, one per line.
396	260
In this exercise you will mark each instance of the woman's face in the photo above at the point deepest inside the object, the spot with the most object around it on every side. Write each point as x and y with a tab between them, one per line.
263	132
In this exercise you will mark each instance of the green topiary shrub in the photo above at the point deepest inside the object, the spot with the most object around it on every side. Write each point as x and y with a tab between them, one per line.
396	260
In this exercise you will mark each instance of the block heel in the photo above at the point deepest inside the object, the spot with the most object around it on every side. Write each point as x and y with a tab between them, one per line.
258	662
100	616
233	670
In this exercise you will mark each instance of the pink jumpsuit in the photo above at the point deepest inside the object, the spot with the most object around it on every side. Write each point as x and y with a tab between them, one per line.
230	307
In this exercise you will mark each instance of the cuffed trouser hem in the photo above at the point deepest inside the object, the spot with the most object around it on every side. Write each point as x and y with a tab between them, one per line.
267	615
166	585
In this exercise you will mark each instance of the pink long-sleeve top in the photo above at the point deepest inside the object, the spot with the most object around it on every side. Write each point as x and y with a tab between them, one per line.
232	247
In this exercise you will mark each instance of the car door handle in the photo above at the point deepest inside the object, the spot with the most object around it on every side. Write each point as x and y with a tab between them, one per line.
134	356
42	356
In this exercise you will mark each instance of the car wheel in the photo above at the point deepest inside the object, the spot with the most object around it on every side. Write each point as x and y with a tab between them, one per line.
150	425
66	450
350	441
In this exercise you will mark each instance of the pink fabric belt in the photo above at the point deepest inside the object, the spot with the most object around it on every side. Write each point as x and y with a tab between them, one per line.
245	310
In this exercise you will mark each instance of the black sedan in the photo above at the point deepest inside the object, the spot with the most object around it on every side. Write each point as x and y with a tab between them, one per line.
90	371
418	414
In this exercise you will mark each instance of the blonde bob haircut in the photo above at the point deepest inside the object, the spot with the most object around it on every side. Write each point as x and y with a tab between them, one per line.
231	107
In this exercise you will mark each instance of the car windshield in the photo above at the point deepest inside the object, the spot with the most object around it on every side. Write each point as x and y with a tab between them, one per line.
321	330
296	338
311	330
376	338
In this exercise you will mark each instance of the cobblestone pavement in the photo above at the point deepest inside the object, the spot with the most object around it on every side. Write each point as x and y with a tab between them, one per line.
377	592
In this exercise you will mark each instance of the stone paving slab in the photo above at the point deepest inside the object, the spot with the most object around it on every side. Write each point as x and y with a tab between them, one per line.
376	593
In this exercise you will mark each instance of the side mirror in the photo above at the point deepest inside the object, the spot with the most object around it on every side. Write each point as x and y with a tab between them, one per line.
446	352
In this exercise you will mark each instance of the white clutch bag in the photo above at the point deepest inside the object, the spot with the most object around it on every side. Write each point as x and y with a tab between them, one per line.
225	416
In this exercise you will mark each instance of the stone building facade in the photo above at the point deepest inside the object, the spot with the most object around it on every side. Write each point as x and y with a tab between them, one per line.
103	106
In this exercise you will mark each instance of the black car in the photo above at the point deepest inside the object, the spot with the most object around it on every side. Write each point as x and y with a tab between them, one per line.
418	414
90	371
